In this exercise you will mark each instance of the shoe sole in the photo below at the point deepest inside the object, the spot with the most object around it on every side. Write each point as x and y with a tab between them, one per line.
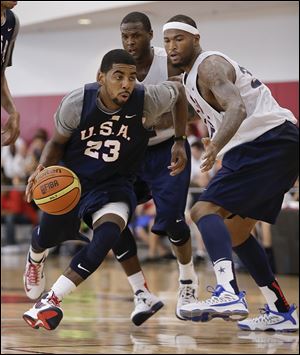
140	318
247	328
179	317
198	315
48	319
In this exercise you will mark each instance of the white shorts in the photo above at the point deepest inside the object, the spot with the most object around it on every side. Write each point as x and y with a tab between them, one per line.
121	209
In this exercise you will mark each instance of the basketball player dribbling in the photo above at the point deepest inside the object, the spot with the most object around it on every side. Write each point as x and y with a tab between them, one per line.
101	134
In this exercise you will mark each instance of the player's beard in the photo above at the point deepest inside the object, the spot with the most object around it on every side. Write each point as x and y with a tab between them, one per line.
118	102
182	63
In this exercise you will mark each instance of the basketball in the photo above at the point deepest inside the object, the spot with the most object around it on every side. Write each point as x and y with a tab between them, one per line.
56	190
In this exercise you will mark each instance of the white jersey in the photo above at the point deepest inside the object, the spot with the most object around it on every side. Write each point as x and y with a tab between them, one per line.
158	73
263	112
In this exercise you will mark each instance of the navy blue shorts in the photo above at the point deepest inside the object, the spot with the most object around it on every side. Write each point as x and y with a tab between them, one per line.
116	190
169	192
55	229
255	176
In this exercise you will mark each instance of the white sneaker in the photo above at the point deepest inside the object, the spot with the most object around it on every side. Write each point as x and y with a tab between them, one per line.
187	294
34	279
271	320
45	313
146	305
222	304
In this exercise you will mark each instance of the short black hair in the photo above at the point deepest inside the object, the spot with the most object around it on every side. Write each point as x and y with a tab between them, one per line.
116	56
184	19
138	17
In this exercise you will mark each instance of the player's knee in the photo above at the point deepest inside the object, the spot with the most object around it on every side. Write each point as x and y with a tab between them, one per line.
91	256
126	246
42	240
203	208
198	211
178	233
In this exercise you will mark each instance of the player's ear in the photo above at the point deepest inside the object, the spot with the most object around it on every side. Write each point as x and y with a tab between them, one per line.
151	34
100	77
196	40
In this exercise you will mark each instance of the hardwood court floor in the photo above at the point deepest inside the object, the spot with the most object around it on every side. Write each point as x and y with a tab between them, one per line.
97	316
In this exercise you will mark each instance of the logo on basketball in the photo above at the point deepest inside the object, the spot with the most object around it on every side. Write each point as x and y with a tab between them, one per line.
50	185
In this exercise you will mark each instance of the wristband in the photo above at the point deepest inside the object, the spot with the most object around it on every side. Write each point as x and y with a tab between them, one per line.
180	138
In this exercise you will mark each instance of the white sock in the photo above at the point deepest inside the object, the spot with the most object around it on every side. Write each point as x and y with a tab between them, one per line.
187	272
62	287
36	257
224	274
270	297
137	282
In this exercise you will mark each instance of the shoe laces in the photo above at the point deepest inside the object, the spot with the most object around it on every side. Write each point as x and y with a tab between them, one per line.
186	293
218	296
264	315
34	273
53	299
141	298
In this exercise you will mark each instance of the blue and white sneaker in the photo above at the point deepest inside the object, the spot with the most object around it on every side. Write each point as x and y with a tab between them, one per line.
187	293
271	320
222	304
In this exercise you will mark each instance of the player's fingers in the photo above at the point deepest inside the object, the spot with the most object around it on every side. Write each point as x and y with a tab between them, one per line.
28	192
205	141
207	165
177	167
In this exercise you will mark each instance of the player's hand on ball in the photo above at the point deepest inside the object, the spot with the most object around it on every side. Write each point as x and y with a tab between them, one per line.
30	182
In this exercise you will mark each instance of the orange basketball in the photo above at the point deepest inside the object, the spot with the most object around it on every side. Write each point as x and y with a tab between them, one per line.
56	190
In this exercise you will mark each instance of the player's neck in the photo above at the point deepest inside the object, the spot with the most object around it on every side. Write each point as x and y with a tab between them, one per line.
146	60
195	55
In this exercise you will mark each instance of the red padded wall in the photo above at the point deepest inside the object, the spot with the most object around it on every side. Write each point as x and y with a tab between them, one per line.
38	111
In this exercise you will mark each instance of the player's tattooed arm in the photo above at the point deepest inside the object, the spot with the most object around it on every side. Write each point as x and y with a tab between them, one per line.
216	79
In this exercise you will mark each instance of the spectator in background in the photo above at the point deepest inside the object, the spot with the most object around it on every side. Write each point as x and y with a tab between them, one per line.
15	210
9	32
198	179
35	149
13	160
145	216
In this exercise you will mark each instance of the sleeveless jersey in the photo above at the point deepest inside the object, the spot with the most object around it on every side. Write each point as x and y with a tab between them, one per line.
106	146
263	112
9	31
158	73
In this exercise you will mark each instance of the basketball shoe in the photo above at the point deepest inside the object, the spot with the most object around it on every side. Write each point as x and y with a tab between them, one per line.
46	313
271	320
187	294
222	304
34	279
146	305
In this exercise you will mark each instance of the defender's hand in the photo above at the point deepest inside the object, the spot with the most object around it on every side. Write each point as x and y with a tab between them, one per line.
210	155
